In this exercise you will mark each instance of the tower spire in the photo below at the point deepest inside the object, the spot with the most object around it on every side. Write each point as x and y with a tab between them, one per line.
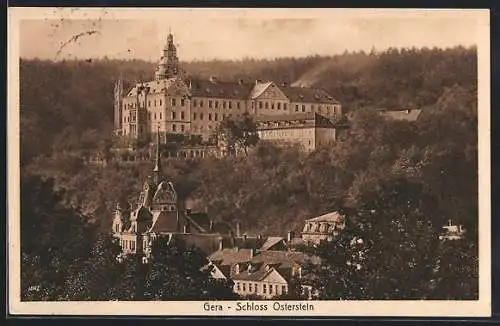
156	170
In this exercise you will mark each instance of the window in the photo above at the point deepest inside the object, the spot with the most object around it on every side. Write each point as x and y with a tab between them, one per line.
303	108
160	115
194	116
238	286
210	116
173	101
194	103
230	104
174	127
270	289
264	288
201	116
182	127
149	103
160	102
296	108
260	105
182	115
216	104
279	106
132	243
249	287
312	108
210	103
255	286
155	102
223	104
117	228
272	106
182	102
216	117
238	105
155	115
173	115
283	289
267	105
201	103
244	287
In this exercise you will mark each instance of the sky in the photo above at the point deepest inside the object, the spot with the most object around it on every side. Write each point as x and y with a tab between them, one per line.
206	34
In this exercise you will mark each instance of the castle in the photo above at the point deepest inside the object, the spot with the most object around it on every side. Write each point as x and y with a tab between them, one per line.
182	105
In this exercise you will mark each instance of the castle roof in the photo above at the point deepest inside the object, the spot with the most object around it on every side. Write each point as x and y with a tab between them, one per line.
155	86
220	89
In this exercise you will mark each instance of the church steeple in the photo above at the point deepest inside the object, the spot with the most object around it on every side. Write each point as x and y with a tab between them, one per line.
157	169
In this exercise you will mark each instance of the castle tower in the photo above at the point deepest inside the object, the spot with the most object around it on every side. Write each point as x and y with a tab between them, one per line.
118	92
168	67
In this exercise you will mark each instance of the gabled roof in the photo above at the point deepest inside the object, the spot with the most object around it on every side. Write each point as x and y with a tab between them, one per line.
220	89
259	88
308	95
270	242
329	217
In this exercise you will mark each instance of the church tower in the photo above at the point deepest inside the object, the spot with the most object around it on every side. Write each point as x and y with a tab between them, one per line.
168	67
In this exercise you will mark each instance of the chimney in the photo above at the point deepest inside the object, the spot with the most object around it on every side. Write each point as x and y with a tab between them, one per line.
284	84
249	268
185	229
188	211
221	244
253	252
257	81
240	81
259	237
211	226
237	268
290	236
244	238
238	228
213	79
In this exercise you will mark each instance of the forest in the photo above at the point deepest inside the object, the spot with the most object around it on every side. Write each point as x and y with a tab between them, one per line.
415	176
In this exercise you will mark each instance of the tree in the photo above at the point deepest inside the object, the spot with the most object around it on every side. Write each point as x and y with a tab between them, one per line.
387	250
176	272
240	133
55	241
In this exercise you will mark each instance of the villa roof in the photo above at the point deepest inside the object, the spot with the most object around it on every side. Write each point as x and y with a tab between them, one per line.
329	217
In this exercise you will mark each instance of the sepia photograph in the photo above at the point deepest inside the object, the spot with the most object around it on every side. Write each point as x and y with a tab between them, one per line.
249	161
